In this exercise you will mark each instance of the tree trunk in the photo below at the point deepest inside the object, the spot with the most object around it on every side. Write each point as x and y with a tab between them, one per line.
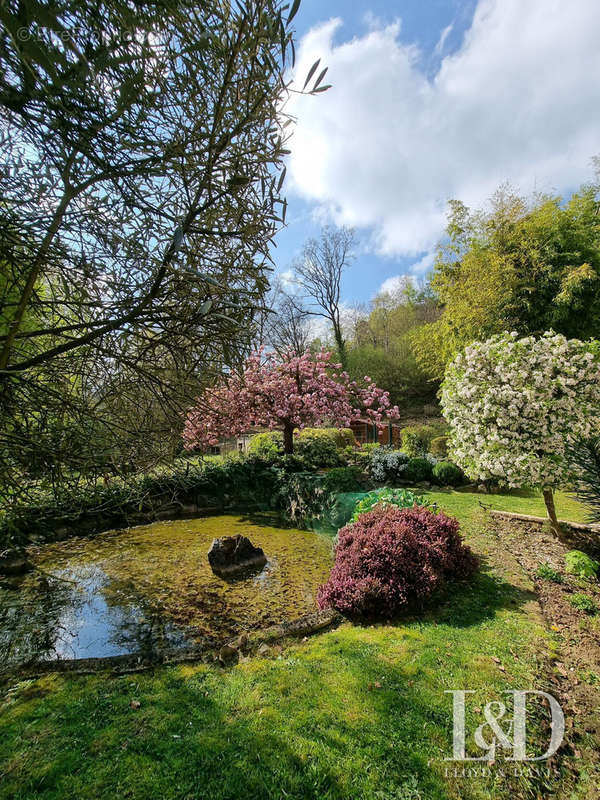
341	345
554	524
288	438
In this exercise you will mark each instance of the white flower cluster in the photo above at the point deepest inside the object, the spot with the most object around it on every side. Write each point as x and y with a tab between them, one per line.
515	405
386	464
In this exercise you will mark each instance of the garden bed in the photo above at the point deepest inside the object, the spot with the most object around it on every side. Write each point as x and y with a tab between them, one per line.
577	662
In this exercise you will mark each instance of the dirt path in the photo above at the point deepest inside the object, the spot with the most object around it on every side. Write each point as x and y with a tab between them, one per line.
575	663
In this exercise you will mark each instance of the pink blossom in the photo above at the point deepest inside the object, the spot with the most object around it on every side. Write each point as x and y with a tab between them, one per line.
286	393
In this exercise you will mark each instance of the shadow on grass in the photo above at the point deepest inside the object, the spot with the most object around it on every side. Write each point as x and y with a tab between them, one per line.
472	603
185	743
345	720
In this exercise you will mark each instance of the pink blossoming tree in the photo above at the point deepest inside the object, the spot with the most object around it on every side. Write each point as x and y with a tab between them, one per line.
283	393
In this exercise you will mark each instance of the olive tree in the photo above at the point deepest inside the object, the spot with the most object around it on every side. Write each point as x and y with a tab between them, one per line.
516	406
142	148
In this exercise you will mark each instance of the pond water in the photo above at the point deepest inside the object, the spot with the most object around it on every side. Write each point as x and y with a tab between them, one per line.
150	588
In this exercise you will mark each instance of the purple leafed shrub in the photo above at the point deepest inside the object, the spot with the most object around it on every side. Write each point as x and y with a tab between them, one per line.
393	560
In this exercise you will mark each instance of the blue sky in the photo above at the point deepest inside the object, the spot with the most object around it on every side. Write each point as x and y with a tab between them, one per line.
432	100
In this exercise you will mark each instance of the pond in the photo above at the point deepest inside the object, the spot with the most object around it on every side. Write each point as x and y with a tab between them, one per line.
150	588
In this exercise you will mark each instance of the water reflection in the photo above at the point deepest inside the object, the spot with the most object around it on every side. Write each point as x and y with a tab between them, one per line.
67	615
150	588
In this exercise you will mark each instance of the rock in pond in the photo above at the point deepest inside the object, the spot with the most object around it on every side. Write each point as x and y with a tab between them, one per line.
234	555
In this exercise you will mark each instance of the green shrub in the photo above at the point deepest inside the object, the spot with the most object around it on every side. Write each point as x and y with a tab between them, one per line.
400	498
90	508
316	448
439	446
580	564
267	446
368	447
303	497
418	469
351	455
343	437
357	456
416	439
342	479
583	602
291	462
447	474
548	573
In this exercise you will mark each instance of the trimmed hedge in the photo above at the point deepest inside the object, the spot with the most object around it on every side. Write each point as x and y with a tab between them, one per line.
317	448
342	479
416	439
439	447
267	445
447	474
418	469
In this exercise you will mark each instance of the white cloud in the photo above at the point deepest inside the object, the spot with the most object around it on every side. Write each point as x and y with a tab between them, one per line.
439	48
386	147
288	278
396	283
423	264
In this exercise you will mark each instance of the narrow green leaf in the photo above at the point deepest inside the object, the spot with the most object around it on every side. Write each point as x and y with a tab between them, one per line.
320	78
311	72
293	11
281	179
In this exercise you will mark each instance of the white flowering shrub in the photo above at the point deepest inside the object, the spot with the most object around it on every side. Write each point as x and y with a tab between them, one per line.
516	405
386	464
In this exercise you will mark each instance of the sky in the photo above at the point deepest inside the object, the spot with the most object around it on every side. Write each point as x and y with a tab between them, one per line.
433	100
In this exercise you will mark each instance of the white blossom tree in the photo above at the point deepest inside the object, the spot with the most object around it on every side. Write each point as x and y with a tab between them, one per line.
515	406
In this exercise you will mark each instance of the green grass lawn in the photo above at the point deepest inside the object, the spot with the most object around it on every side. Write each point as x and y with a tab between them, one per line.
524	501
356	712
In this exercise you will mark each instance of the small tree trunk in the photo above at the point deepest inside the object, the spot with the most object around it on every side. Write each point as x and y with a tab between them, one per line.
341	345
554	525
288	438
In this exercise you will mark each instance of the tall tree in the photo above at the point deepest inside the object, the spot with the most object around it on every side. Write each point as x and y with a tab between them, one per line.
286	327
381	342
142	157
527	265
319	275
